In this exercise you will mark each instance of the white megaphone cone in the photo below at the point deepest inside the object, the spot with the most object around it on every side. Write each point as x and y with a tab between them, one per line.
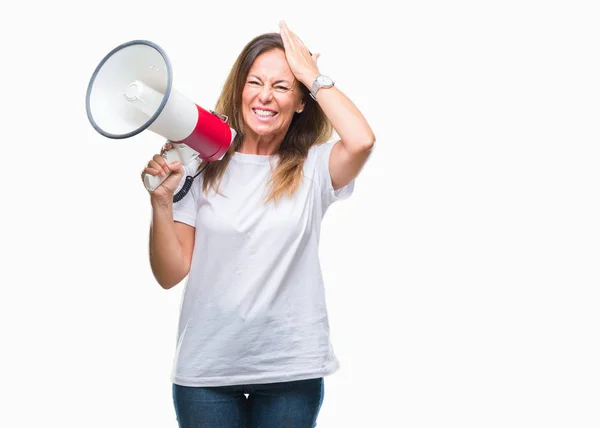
131	90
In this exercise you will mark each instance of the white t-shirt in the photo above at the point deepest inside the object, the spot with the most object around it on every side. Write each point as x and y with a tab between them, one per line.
253	309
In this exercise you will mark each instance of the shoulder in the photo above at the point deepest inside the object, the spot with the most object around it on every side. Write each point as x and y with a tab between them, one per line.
319	152
321	147
316	166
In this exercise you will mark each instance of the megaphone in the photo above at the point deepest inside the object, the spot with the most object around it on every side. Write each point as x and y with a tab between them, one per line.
131	90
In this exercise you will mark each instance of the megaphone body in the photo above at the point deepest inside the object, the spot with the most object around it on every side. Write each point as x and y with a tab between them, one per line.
131	90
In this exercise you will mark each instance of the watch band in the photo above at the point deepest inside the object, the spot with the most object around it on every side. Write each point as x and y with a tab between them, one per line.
316	86
314	89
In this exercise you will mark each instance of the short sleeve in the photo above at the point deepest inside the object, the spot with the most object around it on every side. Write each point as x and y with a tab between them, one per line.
186	209
323	177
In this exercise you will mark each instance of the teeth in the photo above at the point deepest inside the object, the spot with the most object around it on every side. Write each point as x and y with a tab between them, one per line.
264	112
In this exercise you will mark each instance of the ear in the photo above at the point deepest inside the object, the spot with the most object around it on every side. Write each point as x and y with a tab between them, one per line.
300	108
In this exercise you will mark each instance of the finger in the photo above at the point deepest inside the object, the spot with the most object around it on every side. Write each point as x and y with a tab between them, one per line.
294	40
284	35
282	29
160	169
167	146
293	37
288	35
316	56
283	26
174	166
150	171
161	161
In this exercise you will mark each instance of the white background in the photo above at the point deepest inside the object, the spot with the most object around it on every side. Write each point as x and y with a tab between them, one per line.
462	276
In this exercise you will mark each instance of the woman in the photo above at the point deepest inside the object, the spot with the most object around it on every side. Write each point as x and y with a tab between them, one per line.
253	342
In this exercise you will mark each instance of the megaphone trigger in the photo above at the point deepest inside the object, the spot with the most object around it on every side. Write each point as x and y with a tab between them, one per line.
164	147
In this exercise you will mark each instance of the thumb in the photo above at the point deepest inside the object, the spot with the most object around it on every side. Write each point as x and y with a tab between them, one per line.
174	166
176	171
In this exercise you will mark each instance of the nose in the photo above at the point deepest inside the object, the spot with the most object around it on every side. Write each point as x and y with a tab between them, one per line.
266	94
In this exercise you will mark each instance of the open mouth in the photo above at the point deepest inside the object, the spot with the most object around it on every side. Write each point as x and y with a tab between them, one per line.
264	113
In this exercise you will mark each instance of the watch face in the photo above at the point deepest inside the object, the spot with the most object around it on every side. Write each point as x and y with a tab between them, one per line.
324	81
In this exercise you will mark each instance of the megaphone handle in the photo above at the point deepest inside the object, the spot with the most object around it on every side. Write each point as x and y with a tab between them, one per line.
179	152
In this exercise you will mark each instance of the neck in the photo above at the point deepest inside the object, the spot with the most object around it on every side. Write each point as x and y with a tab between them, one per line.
260	144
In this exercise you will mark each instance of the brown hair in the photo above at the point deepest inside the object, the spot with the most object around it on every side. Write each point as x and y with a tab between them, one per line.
307	129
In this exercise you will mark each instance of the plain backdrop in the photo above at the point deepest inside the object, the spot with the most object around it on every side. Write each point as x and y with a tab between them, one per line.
462	276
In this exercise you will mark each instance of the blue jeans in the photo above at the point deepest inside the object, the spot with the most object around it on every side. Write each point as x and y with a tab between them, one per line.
293	404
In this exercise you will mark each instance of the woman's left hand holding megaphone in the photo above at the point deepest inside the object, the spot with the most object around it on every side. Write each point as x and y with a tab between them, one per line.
173	172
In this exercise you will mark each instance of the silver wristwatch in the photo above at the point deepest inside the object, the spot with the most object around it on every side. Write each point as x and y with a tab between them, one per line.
321	81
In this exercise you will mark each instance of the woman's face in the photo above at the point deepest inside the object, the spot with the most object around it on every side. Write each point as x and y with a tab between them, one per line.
271	96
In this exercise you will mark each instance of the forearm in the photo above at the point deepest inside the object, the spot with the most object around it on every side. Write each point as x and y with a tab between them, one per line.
349	123
166	253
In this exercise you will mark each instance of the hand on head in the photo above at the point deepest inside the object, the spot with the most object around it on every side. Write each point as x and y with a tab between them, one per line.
300	59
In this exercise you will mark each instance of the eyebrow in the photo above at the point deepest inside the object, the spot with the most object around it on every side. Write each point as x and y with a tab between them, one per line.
277	81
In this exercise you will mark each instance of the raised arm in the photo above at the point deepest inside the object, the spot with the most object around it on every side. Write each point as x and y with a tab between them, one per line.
357	139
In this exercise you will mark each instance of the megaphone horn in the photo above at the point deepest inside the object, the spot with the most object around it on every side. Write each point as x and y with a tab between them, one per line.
131	90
